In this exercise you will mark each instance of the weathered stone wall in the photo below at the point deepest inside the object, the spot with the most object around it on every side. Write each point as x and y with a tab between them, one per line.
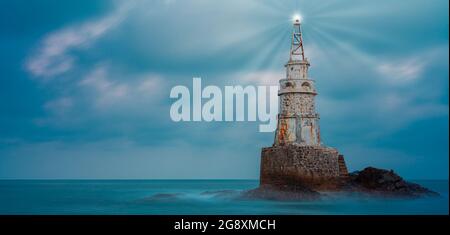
312	166
297	103
298	121
297	70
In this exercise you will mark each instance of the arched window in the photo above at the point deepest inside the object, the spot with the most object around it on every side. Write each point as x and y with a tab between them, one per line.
289	85
306	86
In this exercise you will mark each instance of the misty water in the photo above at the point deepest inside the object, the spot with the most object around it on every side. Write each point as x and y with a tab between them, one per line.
181	197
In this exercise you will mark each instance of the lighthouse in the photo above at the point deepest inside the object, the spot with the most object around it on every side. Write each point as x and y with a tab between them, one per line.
297	156
298	122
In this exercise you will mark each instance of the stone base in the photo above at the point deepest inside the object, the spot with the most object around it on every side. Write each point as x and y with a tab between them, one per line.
315	167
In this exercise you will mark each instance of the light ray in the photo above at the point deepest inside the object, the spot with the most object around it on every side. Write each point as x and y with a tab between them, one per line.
277	48
347	48
265	50
355	32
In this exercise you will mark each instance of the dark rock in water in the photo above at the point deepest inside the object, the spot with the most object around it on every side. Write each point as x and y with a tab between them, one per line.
285	193
383	182
370	181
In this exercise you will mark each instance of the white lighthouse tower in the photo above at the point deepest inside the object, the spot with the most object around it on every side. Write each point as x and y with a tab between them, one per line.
297	157
298	122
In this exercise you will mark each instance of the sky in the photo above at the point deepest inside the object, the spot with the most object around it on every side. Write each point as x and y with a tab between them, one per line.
85	84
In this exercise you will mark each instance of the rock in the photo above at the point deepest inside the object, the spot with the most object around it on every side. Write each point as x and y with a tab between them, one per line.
370	181
383	182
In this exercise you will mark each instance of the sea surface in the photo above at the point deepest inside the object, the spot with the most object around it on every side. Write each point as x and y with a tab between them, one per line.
181	197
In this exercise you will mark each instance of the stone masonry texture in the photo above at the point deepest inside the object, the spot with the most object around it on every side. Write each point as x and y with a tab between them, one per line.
294	165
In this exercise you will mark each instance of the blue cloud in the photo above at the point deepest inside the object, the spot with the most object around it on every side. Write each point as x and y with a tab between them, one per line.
85	86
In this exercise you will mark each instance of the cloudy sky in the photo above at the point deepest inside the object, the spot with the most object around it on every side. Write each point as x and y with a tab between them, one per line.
85	84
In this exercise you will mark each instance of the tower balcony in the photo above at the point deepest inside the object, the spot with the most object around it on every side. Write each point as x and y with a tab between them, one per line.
305	86
298	62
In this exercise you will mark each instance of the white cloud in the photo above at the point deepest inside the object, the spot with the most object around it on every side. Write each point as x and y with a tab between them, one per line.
408	69
150	84
260	77
102	94
107	92
374	115
402	71
59	106
391	97
53	56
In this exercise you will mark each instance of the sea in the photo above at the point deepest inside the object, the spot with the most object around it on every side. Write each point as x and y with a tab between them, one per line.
194	197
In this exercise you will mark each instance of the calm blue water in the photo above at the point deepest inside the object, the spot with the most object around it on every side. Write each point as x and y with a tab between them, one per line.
189	197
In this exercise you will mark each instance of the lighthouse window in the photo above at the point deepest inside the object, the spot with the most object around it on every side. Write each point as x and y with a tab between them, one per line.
289	84
306	86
